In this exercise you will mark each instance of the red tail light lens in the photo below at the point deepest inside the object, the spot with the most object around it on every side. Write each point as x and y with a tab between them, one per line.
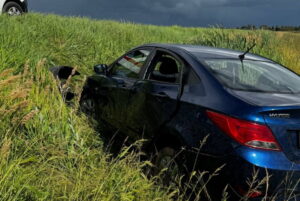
246	133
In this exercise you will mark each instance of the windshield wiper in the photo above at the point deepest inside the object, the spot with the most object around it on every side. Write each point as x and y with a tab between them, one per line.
242	56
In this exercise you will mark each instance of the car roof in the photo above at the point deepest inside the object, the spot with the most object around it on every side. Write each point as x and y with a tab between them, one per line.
208	52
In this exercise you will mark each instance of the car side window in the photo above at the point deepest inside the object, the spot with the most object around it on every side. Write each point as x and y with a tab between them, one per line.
130	65
192	78
165	68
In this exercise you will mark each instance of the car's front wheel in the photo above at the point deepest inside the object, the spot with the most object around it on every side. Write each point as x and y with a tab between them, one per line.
88	104
13	9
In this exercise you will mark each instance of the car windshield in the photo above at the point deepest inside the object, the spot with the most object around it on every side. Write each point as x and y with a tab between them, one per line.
259	76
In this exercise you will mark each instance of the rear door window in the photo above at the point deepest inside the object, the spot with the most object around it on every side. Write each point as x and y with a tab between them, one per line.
165	68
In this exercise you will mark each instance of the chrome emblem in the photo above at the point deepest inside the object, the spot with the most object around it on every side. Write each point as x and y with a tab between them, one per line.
280	115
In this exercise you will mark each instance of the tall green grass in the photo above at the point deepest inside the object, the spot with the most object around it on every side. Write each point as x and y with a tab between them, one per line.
49	151
84	42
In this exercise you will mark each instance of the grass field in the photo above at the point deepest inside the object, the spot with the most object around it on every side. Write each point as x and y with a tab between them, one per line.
50	152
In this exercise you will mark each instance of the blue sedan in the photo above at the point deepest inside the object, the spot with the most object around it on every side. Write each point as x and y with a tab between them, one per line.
245	107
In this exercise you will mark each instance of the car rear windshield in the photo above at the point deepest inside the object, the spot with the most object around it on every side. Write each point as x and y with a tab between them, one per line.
259	76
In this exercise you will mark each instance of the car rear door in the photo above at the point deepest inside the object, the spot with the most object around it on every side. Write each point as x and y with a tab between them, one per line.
154	99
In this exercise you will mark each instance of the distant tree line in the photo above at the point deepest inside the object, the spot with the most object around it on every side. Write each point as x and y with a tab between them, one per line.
272	28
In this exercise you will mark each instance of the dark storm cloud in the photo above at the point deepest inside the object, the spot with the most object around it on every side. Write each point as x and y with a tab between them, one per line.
180	12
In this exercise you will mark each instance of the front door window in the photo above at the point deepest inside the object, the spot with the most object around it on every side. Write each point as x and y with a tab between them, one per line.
131	64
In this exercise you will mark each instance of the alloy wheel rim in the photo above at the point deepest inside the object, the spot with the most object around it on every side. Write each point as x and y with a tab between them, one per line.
88	106
171	165
12	11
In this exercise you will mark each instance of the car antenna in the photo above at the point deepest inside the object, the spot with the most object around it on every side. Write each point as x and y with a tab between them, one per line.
242	56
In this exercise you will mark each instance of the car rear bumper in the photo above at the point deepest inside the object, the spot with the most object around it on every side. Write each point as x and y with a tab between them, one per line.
275	160
280	185
240	168
284	175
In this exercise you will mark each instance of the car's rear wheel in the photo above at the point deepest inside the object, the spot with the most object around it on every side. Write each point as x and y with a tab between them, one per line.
165	159
167	166
172	166
13	9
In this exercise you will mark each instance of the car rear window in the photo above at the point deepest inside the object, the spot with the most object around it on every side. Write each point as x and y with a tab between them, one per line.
252	75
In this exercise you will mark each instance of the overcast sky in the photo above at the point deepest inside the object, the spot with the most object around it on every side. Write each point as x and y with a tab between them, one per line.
228	13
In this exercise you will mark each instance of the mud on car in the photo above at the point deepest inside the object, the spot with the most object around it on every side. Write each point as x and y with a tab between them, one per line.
245	105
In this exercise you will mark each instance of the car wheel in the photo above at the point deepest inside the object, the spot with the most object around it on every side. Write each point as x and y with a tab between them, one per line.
13	9
166	163
88	104
176	172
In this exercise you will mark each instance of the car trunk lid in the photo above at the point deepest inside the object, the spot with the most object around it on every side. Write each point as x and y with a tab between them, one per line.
285	125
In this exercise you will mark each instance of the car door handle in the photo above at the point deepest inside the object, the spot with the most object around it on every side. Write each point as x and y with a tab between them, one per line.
120	83
161	95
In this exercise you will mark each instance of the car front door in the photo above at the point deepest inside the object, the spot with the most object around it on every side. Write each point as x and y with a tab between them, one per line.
154	99
125	72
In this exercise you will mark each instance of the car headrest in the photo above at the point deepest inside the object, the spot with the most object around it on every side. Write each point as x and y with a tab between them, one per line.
168	66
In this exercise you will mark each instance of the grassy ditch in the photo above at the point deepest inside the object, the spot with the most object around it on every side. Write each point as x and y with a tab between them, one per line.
49	151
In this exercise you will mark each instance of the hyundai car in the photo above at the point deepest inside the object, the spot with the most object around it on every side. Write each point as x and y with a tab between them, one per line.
238	109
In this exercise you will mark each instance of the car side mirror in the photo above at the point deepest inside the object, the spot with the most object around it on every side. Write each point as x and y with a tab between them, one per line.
101	69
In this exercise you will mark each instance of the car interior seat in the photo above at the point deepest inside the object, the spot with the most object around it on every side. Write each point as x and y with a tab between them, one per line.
168	70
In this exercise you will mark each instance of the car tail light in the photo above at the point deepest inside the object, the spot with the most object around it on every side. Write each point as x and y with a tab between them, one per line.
246	133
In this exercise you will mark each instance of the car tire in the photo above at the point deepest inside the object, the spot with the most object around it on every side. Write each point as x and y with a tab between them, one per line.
167	165
175	161
13	9
88	104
